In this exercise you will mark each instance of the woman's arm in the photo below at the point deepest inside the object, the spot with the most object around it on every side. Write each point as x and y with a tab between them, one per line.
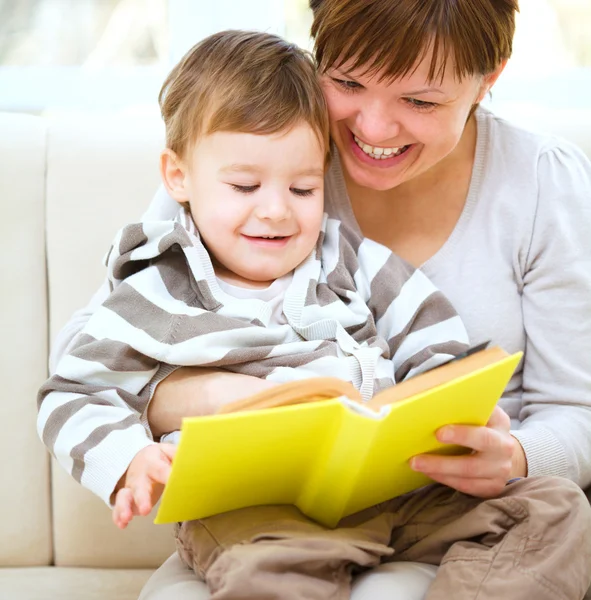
197	391
556	302
556	306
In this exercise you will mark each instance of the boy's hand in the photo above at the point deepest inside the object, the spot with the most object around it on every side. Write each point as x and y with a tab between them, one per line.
142	484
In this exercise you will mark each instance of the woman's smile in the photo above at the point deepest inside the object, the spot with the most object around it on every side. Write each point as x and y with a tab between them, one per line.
378	156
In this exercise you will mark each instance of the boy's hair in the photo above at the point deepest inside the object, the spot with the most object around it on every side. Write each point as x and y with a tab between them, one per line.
392	37
241	81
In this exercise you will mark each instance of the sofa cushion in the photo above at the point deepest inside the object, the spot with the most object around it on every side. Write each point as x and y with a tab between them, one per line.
53	583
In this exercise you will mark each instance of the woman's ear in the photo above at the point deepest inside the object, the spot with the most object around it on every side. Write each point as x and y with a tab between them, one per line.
173	174
489	80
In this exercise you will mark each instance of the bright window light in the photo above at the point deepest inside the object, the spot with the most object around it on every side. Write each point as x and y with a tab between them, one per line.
113	55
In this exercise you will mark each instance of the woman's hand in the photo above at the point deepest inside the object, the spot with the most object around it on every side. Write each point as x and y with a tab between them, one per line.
496	457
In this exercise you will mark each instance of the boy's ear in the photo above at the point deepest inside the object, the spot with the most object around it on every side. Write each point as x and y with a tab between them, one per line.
173	174
490	79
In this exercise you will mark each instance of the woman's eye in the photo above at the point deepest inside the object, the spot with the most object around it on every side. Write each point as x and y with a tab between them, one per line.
420	104
301	193
347	85
244	189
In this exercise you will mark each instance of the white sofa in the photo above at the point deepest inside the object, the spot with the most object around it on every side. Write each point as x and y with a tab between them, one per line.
66	186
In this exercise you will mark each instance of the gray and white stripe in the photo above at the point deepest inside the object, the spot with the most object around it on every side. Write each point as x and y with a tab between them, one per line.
360	313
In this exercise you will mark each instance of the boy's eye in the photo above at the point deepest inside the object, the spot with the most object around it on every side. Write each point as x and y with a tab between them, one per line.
347	85
300	192
245	189
420	104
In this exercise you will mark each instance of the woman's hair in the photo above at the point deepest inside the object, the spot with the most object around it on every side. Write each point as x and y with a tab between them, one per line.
391	37
245	82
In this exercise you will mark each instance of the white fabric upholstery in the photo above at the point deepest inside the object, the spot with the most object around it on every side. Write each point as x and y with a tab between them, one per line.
25	529
101	174
67	186
49	583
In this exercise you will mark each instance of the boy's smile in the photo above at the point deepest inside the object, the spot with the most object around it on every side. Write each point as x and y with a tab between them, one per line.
257	201
268	241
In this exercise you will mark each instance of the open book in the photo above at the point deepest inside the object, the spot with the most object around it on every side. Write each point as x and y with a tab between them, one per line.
313	443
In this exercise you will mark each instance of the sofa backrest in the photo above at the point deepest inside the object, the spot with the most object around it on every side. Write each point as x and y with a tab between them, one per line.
67	186
101	174
25	529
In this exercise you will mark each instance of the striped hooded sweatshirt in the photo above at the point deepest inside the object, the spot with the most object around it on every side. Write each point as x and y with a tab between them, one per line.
353	310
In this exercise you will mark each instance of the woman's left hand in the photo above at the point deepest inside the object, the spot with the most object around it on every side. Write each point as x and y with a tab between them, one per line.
496	457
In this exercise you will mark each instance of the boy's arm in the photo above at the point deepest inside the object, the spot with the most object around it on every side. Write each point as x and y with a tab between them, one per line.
64	340
92	410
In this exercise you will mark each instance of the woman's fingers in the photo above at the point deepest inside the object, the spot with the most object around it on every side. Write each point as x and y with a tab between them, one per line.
479	439
481	488
472	466
477	474
482	473
499	419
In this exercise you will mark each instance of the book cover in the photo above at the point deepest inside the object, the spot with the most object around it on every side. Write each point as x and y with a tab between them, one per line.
331	456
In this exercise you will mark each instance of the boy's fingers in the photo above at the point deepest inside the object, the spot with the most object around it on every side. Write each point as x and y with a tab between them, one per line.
142	496
159	472
123	501
145	481
122	511
169	450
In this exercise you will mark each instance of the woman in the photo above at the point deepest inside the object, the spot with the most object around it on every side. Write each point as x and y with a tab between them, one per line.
498	218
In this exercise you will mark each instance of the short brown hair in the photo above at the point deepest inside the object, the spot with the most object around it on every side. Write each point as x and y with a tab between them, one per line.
242	81
391	37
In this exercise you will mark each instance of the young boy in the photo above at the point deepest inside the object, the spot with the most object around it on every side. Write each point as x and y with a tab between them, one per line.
250	276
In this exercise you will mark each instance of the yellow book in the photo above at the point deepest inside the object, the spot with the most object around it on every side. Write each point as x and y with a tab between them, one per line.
314	444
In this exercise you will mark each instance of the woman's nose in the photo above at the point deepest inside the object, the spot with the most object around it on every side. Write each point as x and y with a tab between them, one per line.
378	124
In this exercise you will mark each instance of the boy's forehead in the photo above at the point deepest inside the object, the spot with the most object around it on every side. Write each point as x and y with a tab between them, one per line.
244	151
254	167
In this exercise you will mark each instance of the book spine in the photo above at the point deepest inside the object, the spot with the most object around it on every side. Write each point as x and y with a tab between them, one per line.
328	488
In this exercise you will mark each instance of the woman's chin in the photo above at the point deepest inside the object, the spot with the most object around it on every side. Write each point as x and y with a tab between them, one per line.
373	179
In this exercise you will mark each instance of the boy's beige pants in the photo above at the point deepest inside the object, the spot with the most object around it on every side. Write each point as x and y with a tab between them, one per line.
533	542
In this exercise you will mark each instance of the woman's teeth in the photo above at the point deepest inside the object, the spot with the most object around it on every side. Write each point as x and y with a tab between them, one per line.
379	153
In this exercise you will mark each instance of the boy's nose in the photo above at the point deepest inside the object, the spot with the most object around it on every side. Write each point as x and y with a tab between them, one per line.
274	207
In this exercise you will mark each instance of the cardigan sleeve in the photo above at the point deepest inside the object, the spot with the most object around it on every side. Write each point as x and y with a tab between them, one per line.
556	302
